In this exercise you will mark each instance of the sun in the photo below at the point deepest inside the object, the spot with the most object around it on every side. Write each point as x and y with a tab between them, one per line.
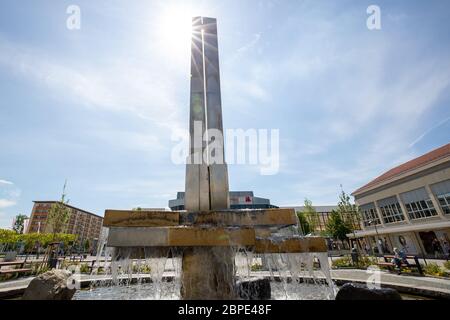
175	28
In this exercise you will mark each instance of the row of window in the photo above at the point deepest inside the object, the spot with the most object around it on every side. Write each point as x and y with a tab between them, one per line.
370	217
392	213
40	217
421	209
417	204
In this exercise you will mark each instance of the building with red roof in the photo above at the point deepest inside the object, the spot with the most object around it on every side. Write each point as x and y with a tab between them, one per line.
408	206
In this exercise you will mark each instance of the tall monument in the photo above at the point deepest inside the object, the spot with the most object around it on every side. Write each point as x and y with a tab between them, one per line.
207	270
206	171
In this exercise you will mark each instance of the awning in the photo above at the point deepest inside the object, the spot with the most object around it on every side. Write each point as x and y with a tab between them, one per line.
401	228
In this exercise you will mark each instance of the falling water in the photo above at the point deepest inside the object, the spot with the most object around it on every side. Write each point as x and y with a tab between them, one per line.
155	272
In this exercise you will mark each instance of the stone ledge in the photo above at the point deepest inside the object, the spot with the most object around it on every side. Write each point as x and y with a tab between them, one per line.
193	236
135	218
295	245
222	218
180	237
253	217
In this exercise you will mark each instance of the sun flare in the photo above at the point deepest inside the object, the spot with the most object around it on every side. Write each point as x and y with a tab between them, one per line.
175	27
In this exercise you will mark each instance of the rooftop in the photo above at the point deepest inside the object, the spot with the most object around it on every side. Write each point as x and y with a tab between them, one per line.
67	205
323	209
413	164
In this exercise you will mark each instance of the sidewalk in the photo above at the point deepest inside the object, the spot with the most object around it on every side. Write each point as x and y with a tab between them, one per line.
439	262
405	283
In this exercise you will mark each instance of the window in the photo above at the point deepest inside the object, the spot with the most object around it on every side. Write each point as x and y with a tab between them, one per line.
442	192
444	201
418	204
369	215
391	210
420	209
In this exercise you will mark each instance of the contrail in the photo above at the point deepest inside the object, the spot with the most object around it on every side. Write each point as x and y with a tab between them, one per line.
440	123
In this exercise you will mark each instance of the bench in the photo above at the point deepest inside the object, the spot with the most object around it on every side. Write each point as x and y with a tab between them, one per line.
93	264
391	266
12	271
11	263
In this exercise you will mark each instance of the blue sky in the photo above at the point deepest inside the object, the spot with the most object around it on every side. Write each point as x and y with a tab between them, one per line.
99	105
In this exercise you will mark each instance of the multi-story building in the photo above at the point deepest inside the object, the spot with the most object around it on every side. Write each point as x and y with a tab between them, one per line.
408	207
238	200
81	222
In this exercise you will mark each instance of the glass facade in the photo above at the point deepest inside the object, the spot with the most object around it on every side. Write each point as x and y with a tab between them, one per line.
418	204
369	215
444	202
442	192
390	210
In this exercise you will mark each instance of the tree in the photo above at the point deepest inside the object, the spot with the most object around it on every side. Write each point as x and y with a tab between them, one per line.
348	211
58	216
19	223
303	224
311	215
341	221
308	218
8	238
337	227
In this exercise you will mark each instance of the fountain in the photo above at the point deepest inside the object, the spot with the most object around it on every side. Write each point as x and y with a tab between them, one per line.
208	234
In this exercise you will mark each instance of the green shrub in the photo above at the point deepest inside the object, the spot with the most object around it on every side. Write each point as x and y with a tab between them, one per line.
84	268
39	268
67	263
447	265
256	267
347	262
343	262
141	269
433	269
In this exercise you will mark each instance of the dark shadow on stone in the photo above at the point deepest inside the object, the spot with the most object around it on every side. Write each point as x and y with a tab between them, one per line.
255	289
352	291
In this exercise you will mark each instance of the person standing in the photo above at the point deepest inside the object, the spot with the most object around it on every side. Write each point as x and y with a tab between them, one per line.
386	245
366	247
381	246
436	248
445	248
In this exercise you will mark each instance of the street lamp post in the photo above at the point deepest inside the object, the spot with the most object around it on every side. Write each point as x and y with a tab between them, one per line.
378	236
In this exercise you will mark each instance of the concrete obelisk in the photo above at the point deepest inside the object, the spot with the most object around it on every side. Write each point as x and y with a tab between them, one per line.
207	271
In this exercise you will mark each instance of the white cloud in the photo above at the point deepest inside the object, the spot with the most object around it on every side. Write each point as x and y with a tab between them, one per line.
5	203
365	101
9	197
121	85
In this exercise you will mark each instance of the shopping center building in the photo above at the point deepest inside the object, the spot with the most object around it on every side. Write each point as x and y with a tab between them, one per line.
238	200
408	207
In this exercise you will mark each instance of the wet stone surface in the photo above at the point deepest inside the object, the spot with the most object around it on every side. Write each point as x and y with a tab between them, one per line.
169	291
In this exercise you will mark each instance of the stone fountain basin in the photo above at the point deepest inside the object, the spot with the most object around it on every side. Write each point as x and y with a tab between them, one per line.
169	290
